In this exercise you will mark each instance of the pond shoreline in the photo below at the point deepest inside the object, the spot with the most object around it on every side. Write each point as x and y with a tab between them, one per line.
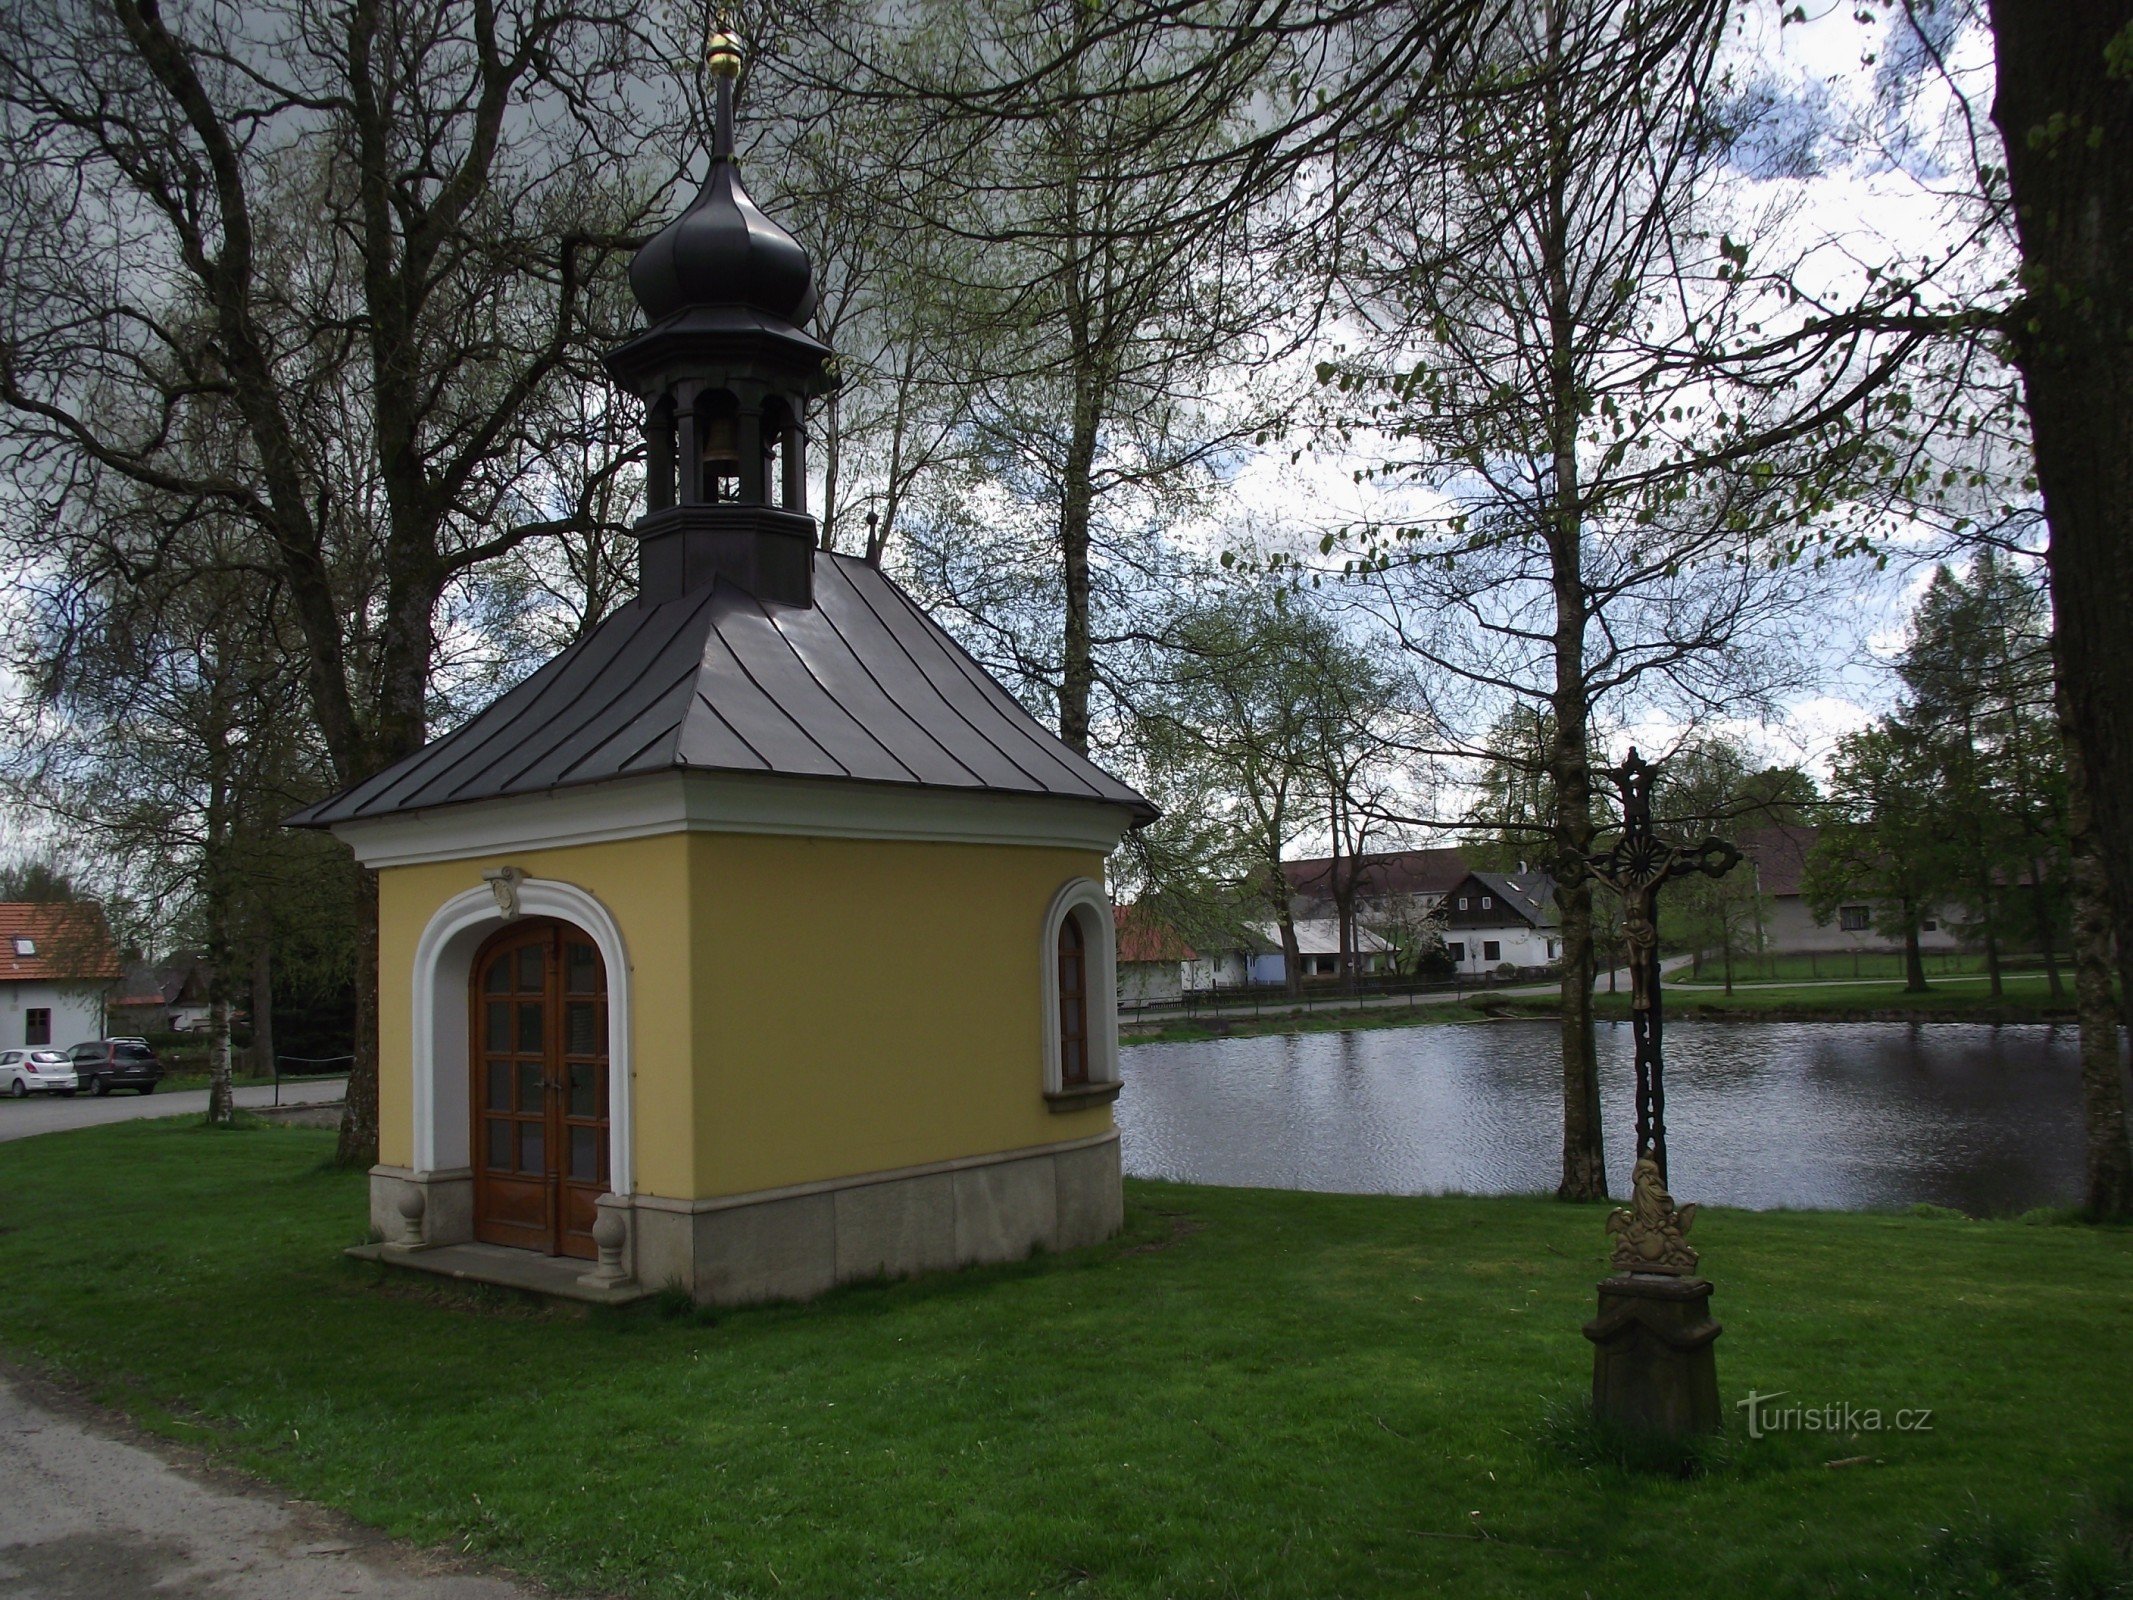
1606	1008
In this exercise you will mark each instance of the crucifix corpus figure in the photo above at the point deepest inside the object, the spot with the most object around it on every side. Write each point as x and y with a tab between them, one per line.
1634	866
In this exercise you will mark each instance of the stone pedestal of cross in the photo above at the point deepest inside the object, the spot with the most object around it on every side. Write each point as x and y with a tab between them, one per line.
1653	1368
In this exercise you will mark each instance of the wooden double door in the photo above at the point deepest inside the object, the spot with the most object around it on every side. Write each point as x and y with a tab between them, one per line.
539	1030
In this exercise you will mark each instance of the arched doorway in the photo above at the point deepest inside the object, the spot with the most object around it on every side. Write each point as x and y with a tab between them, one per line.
539	1088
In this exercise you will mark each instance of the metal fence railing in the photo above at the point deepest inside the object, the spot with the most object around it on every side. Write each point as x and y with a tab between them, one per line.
339	1064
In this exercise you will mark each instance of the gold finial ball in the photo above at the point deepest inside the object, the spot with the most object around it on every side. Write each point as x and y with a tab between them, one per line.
722	54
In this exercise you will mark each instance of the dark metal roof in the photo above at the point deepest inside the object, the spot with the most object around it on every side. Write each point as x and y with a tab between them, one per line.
1530	894
860	685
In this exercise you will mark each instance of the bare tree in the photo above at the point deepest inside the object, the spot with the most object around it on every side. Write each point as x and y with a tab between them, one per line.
1552	317
353	244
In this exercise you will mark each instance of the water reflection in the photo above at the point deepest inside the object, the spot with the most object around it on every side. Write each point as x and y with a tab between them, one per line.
1758	1114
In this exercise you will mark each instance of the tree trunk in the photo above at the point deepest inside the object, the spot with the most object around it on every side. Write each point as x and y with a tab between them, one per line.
1291	957
1725	944
1914	959
1584	1152
1077	659
221	1096
2040	909
2066	121
263	1053
1992	936
358	1143
2109	1189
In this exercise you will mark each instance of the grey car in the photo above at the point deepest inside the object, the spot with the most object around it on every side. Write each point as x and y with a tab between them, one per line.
106	1064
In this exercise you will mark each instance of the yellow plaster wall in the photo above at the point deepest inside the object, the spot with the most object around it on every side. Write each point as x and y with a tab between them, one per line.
644	885
863	1005
801	1008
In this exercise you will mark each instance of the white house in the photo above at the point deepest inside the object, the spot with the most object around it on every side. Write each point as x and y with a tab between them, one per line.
1496	918
56	966
1153	957
1318	949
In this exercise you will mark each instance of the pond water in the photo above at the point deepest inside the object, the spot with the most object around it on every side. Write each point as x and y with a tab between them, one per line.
1761	1114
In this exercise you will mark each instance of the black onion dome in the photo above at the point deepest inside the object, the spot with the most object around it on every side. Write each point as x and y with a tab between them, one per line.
723	251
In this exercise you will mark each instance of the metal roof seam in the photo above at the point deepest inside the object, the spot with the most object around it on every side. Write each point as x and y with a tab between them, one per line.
990	688
875	678
563	773
417	779
919	667
726	722
843	710
770	699
681	625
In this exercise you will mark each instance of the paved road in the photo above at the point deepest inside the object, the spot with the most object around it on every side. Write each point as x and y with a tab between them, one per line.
43	1113
88	1514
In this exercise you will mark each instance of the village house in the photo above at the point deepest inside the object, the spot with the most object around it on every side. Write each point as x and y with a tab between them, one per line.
57	968
1777	855
169	996
1261	958
759	941
1152	957
1495	919
1397	887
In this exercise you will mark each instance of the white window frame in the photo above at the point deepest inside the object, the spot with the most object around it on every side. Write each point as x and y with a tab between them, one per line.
1488	903
1462	902
24	945
443	1113
1085	901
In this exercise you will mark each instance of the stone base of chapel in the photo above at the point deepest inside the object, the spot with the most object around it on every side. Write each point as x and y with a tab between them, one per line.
794	1243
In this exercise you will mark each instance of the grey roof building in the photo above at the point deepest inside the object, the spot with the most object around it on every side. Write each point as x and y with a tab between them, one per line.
859	683
758	942
748	649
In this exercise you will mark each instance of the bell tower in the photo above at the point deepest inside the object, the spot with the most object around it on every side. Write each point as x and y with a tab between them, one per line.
725	369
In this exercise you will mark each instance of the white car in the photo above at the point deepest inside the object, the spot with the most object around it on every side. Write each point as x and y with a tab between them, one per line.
24	1072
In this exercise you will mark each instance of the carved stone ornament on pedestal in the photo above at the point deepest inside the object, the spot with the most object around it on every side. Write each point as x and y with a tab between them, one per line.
1648	1232
1653	1369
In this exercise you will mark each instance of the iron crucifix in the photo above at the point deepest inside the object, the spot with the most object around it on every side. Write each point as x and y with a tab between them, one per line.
1634	867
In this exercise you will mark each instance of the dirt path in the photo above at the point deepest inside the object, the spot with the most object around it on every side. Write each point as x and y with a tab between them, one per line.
89	1514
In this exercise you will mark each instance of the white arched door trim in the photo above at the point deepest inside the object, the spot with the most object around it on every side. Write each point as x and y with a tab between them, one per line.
444	964
1084	900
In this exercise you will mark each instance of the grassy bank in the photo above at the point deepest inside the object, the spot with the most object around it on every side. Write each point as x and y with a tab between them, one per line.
1253	1393
2026	1000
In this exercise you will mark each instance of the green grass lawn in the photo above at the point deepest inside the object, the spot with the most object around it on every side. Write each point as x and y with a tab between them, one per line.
2025	995
1814	966
2026	999
1252	1393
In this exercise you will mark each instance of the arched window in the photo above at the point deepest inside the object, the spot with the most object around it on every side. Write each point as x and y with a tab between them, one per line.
1079	980
1073	1005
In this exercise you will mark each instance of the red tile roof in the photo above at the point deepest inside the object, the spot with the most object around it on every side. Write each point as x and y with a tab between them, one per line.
1780	855
70	944
1144	936
1434	871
